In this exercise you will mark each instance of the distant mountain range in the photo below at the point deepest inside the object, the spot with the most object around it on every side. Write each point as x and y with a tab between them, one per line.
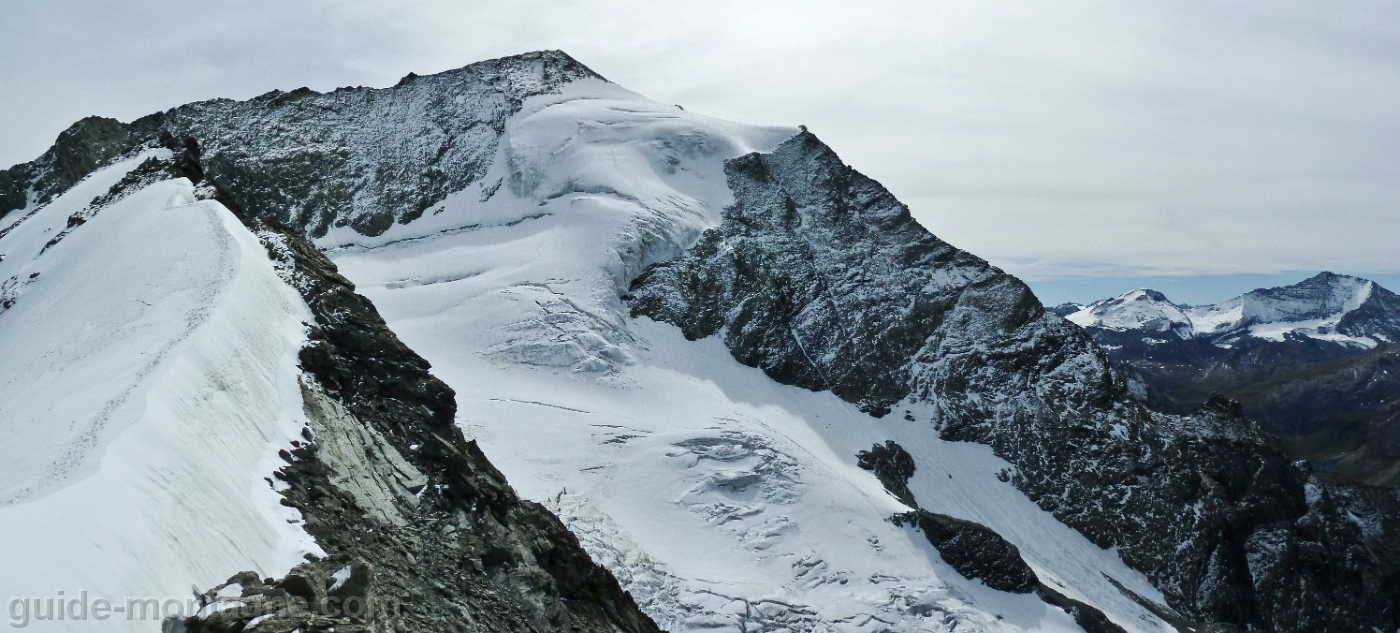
1316	362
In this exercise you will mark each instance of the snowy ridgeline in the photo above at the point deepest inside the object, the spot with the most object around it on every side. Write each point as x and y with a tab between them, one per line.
721	499
242	414
149	381
1328	307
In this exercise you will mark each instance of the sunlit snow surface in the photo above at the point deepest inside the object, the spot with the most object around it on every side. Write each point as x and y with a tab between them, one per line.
1262	314
148	380
722	500
1139	309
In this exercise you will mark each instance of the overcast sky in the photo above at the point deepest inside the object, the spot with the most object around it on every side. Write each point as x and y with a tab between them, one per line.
1083	145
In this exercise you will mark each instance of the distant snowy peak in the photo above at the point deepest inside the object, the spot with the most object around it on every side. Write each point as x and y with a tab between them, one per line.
1330	307
1141	309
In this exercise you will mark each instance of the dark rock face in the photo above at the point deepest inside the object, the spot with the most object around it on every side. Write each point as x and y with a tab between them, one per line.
1088	618
978	552
1328	401
314	597
1344	409
83	147
819	276
399	499
1378	317
974	550
360	157
1332	400
893	466
357	157
788	279
1178	375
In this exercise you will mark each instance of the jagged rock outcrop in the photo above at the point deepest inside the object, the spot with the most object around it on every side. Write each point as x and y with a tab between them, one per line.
893	466
361	158
978	552
975	550
821	278
83	147
314	597
788	277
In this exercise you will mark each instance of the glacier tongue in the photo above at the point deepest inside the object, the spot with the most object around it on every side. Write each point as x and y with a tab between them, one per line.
719	498
150	378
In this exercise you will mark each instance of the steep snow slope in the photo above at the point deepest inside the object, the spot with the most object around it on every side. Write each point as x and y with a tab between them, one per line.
149	380
821	278
720	498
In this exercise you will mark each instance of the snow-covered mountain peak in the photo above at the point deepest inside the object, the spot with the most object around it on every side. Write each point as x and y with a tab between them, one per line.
586	187
355	157
1323	296
1141	309
1329	307
554	244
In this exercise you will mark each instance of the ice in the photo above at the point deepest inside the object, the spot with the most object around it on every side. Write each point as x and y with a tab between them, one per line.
1221	317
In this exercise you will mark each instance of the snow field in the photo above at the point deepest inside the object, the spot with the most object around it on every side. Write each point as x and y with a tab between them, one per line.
149	381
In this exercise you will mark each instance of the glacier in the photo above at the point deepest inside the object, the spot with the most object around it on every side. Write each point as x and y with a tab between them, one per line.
720	501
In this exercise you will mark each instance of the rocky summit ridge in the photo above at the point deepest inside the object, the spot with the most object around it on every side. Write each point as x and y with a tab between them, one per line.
356	158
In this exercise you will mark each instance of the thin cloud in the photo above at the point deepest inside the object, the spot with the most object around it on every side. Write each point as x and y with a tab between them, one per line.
1060	140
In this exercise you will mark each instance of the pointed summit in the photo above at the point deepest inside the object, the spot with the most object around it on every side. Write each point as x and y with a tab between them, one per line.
535	72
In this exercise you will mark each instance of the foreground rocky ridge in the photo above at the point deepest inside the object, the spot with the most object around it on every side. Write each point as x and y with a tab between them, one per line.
821	278
421	532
